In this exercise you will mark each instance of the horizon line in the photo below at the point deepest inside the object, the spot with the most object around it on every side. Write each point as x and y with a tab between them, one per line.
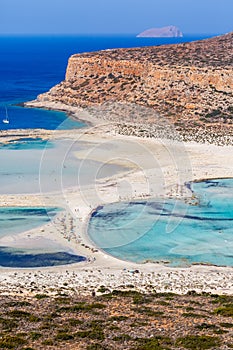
103	34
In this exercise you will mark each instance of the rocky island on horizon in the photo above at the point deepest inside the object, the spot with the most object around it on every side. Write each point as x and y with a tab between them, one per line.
164	32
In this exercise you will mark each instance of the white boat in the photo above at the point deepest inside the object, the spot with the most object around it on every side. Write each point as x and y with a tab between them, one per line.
6	119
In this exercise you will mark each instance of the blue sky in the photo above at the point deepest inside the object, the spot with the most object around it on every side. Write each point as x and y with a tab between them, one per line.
114	16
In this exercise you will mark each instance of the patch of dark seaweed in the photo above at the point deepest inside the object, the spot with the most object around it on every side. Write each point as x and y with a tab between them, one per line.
24	260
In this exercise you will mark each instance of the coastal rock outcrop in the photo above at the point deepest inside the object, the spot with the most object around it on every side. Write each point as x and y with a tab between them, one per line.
190	85
164	32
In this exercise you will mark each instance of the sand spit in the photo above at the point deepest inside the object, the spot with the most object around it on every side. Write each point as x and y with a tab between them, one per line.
156	169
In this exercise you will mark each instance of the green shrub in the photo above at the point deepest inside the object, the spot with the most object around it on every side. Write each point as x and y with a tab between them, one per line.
138	324
122	337
219	331
125	293
48	325
189	308
166	295
96	306
7	324
118	318
162	303
155	343
226	311
102	289
198	342
114	328
192	314
96	323
73	308
91	334
17	303
41	296
64	336
140	299
35	335
96	346
19	314
214	113
11	342
226	325
82	307
33	318
206	326
48	342
62	300
223	299
149	312
74	322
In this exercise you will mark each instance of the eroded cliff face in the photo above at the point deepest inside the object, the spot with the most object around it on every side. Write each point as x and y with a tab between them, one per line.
188	83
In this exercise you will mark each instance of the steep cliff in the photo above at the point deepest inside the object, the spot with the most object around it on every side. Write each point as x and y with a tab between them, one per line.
190	84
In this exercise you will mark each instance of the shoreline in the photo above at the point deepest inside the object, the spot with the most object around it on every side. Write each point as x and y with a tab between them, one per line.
75	113
105	269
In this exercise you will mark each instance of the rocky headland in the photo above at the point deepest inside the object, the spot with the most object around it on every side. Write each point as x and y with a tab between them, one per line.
164	32
187	86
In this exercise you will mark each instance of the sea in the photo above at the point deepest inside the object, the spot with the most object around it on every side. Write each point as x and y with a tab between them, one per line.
29	66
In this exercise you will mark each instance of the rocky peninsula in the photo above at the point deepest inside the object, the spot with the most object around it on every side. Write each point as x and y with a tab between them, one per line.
188	86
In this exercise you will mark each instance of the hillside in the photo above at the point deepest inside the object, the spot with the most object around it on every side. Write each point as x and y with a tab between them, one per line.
121	319
189	85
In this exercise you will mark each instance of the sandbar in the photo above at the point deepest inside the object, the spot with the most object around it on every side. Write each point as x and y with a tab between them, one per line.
157	168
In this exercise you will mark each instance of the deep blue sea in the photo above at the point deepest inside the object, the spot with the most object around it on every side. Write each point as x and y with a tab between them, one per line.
30	65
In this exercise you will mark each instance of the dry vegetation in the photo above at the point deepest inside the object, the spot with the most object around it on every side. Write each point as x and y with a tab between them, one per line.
117	320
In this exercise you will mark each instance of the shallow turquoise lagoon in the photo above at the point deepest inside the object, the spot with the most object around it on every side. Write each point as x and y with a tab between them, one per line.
26	144
36	165
172	231
14	220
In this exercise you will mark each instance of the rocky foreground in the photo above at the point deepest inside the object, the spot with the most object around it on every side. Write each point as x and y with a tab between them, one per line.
187	86
126	320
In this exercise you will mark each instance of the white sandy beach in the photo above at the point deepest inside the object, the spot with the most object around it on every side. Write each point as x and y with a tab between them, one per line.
156	169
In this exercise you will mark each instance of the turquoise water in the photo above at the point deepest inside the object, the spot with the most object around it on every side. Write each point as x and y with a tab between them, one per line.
171	231
14	220
26	144
34	166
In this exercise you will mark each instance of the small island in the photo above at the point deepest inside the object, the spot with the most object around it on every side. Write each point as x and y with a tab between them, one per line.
164	32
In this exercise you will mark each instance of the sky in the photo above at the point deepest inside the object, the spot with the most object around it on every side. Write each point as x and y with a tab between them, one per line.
114	16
